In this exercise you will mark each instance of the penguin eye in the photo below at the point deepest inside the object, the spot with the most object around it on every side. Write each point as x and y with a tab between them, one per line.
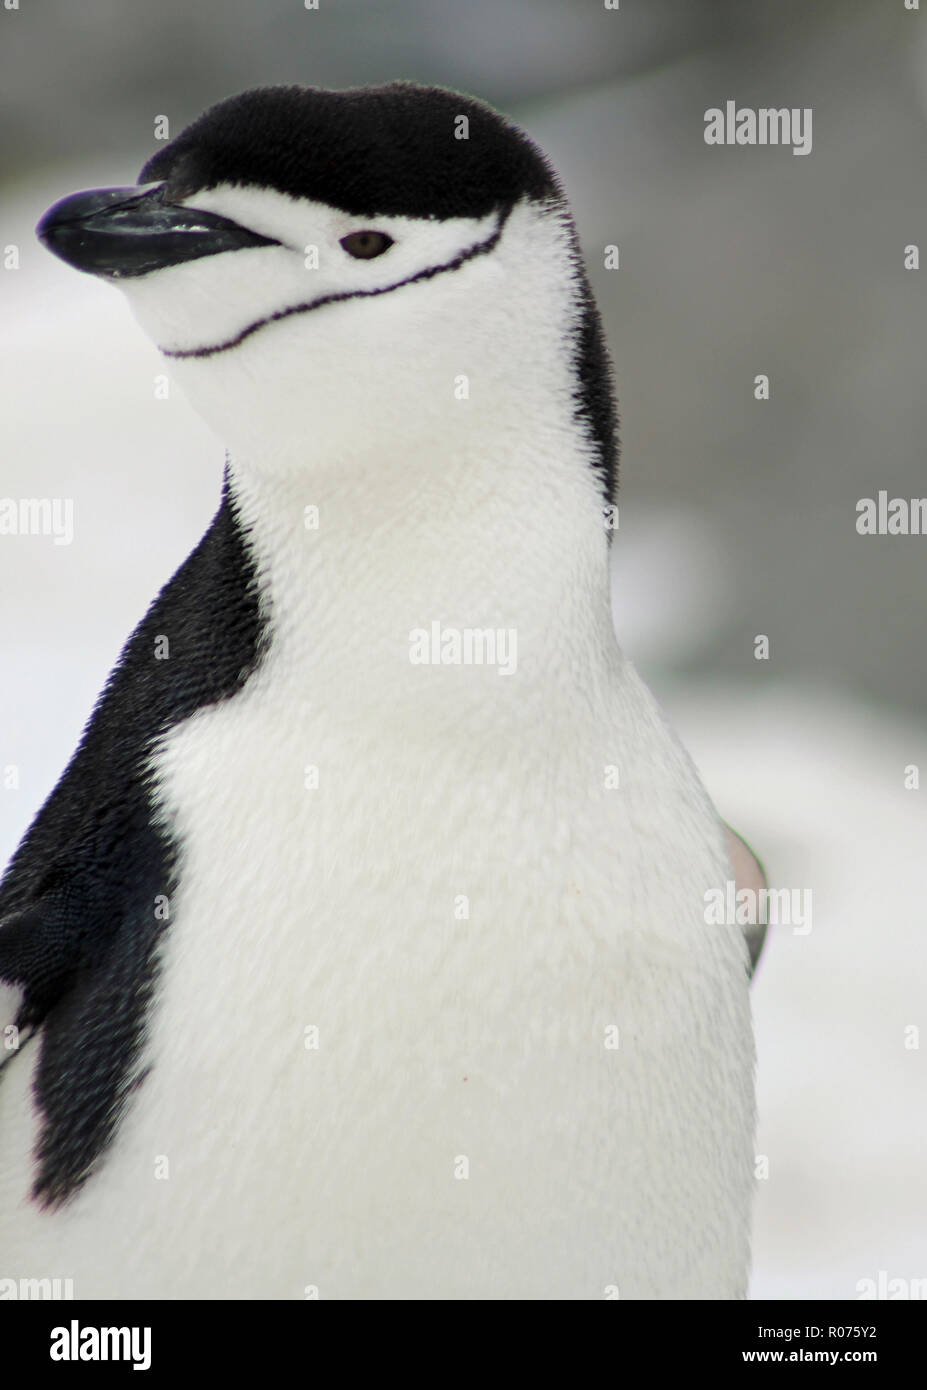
363	246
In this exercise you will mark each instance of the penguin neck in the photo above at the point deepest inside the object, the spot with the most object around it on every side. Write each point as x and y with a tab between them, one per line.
371	570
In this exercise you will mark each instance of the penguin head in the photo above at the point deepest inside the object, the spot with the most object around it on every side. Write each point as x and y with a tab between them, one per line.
341	268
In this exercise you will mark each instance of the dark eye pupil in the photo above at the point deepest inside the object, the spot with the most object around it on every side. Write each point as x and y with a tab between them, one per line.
363	246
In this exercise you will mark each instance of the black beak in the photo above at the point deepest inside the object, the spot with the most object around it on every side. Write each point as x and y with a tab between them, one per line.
119	232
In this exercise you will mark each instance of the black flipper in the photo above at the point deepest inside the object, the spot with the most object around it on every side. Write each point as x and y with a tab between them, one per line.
82	903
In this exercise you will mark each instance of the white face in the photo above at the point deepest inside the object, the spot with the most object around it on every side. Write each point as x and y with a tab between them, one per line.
427	342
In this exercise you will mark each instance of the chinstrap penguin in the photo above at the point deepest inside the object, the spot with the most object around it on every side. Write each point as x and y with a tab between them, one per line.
336	969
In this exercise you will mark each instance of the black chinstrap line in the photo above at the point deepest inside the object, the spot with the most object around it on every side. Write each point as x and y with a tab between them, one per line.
481	248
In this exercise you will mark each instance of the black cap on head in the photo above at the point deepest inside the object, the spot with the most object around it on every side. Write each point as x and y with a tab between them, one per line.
395	150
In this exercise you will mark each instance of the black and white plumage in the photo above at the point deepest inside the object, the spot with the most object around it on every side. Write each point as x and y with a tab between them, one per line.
80	898
333	938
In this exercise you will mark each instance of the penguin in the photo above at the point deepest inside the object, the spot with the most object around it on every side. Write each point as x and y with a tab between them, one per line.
361	950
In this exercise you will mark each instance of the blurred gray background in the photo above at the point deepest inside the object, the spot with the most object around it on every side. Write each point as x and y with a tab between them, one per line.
737	517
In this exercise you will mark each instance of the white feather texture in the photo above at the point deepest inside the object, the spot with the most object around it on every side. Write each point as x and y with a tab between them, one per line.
461	908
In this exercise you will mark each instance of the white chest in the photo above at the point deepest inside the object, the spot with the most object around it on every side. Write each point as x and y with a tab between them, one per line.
439	1014
448	1024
